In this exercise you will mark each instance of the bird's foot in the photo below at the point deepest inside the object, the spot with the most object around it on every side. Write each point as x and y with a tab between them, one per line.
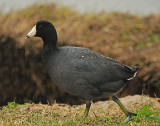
88	104
85	115
129	114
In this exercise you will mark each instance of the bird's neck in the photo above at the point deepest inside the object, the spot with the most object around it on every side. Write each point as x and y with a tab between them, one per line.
50	43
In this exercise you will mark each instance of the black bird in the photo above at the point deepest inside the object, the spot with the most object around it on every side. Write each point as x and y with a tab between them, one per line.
80	71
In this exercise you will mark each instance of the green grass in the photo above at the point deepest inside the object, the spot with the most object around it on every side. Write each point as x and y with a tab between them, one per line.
59	114
145	113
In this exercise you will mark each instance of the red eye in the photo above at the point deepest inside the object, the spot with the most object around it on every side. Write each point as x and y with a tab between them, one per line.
40	26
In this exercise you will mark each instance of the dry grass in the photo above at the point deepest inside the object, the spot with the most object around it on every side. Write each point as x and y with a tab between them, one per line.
101	113
112	34
128	38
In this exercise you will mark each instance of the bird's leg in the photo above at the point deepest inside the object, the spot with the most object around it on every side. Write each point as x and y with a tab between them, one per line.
126	112
88	104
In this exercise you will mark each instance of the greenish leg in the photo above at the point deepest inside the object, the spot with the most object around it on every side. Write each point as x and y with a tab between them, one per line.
88	105
126	112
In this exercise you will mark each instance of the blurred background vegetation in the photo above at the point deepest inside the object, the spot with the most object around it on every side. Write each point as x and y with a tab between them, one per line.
128	38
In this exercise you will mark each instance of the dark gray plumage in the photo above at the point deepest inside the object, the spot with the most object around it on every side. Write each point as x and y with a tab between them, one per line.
85	73
80	71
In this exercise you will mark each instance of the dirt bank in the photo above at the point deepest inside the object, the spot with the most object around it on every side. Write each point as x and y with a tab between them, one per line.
127	38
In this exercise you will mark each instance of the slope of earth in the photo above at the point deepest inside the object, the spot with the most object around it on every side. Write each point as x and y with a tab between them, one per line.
127	38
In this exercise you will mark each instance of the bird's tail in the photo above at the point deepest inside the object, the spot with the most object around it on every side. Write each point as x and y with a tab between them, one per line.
134	70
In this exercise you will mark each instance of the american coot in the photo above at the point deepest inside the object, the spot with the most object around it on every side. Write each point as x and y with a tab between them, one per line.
80	71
